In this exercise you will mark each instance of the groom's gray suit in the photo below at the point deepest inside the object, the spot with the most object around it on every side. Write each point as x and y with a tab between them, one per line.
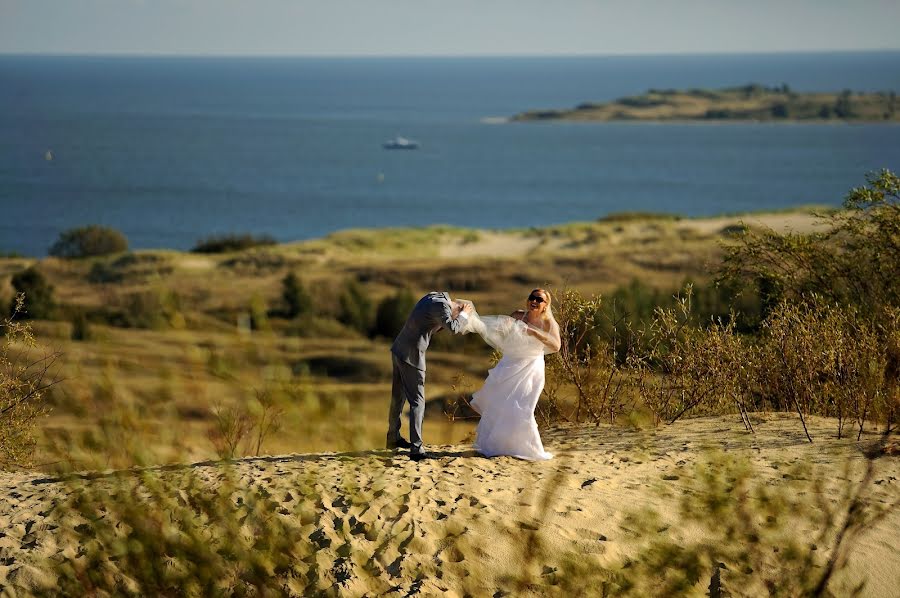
433	312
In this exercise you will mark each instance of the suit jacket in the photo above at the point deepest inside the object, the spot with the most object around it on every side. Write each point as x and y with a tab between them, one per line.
431	313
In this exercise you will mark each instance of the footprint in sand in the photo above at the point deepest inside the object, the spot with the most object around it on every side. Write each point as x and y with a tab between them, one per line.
356	526
341	571
454	555
394	569
319	538
340	503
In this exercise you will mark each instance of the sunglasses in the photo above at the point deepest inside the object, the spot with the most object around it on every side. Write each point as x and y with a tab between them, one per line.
535	298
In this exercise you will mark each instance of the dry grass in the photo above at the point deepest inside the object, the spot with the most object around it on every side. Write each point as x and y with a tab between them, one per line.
199	351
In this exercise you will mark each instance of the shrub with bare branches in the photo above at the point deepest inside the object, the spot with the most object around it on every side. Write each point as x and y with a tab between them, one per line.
890	323
242	429
733	363
586	362
822	358
25	374
681	368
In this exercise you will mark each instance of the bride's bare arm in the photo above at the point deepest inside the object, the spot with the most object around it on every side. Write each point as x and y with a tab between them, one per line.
550	337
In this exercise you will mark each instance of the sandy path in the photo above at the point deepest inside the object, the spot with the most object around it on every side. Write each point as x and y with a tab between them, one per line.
462	523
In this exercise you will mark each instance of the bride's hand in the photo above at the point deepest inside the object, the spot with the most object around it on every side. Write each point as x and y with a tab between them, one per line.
534	332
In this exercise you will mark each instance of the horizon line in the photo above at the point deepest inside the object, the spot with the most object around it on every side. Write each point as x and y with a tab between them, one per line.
437	55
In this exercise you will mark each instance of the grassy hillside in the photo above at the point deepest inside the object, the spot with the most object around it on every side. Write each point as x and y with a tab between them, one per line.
176	338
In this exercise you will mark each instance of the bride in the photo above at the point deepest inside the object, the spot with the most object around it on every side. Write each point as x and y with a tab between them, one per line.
507	400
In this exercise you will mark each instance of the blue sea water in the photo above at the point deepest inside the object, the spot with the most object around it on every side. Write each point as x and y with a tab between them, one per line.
172	150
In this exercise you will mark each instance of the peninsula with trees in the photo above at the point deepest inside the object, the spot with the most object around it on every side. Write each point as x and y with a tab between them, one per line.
751	102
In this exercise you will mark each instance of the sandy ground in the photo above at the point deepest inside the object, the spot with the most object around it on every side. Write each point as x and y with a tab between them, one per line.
510	244
788	222
460	523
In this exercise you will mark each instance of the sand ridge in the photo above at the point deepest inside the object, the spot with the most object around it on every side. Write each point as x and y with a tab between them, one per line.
462	524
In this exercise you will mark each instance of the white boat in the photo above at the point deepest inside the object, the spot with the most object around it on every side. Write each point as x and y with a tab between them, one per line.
400	143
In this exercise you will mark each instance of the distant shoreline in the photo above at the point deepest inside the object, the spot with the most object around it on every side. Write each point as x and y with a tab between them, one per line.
752	103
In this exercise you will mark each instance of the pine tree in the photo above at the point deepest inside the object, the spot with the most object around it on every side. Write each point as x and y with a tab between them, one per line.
298	301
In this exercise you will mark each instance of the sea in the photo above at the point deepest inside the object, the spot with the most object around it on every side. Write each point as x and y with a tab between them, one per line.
172	150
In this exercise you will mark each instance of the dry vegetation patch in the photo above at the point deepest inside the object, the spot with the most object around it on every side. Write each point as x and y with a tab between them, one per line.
626	510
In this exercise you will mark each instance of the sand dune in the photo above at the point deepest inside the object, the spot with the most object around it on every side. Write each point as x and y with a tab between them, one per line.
461	524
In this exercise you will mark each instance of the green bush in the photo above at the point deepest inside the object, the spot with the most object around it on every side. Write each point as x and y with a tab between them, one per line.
642	102
154	309
630	307
81	328
298	300
259	313
781	110
843	107
355	307
852	261
345	367
39	303
391	314
637	216
88	241
104	273
232	242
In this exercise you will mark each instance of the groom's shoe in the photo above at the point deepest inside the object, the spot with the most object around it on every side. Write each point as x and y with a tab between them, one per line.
419	456
399	443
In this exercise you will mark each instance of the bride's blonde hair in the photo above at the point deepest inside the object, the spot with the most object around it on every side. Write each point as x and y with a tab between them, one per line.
548	313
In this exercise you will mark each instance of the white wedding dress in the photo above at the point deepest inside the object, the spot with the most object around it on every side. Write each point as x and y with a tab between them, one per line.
507	400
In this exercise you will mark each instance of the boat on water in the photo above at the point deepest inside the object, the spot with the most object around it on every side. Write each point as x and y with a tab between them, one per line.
400	143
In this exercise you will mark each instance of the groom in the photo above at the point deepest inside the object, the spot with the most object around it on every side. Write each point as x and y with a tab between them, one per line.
433	311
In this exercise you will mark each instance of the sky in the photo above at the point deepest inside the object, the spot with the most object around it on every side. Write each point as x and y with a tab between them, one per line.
444	27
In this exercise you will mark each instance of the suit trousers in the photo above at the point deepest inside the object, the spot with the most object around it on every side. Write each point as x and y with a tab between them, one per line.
408	386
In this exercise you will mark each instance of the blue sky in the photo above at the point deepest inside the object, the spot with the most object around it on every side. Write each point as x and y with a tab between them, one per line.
444	27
